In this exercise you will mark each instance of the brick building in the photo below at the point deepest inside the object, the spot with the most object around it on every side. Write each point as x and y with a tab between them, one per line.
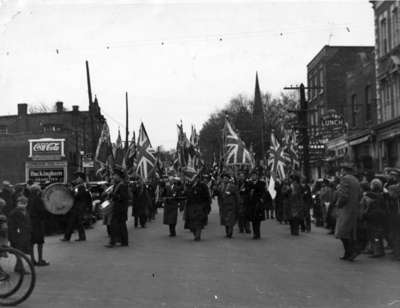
332	75
387	51
48	145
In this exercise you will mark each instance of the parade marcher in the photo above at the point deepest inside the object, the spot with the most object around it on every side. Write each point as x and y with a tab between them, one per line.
296	204
373	214
307	202
119	215
152	205
198	202
256	206
141	203
37	213
244	225
173	200
285	200
20	230
229	206
278	202
394	212
349	195
82	200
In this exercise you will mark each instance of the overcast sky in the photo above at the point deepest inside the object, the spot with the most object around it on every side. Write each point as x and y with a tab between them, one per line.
177	59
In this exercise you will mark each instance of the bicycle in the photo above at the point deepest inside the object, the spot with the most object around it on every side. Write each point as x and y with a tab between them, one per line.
17	277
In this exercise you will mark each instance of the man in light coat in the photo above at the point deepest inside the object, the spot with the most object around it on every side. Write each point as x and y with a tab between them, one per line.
348	202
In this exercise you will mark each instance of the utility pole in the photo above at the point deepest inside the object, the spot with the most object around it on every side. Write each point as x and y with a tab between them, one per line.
91	110
126	122
302	114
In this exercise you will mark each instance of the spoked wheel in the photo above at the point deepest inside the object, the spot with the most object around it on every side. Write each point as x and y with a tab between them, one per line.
17	277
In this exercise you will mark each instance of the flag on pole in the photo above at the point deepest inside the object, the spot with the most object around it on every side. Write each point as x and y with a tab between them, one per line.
183	146
271	187
278	158
235	149
104	146
118	151
291	148
130	154
145	154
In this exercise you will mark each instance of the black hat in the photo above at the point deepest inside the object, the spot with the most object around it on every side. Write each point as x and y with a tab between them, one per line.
80	174
119	172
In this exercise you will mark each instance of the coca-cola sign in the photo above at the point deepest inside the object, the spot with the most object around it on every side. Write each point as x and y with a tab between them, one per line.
50	147
46	149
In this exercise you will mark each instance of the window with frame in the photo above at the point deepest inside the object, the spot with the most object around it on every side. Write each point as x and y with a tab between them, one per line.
321	81
3	130
354	110
368	104
383	34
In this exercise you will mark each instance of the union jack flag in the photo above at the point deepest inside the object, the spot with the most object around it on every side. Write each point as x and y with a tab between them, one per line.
277	158
146	158
235	149
291	148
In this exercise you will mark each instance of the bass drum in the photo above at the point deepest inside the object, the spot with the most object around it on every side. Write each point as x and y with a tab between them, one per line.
58	199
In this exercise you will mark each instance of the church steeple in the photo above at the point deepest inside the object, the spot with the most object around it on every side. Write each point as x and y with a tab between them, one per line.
259	122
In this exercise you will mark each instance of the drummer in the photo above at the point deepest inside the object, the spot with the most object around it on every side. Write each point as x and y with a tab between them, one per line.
82	199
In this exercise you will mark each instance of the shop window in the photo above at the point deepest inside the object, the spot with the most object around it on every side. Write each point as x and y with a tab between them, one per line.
3	130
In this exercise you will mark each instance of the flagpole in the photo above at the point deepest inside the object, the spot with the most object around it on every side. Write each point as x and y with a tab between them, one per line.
126	122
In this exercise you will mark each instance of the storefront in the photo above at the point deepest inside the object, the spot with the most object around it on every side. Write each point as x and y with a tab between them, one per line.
363	152
47	161
388	144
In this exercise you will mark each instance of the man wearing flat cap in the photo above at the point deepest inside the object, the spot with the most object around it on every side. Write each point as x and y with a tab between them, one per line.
82	200
119	214
349	195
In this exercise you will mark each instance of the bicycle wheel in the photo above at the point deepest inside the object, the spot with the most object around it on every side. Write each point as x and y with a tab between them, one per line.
14	263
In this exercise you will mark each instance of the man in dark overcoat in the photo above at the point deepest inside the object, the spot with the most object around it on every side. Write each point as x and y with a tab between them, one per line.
197	206
82	200
393	212
173	200
141	203
348	203
119	215
256	206
243	186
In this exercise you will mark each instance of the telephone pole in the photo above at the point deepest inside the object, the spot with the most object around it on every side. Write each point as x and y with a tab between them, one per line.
126	122
302	116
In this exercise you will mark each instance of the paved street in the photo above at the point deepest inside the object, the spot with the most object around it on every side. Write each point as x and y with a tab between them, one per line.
158	271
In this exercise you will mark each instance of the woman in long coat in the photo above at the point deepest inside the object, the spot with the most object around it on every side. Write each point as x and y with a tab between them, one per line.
38	215
349	195
229	205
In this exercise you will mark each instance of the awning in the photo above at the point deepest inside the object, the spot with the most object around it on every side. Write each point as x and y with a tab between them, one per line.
359	140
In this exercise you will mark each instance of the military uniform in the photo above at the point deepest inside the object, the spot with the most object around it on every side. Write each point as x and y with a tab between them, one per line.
244	225
229	207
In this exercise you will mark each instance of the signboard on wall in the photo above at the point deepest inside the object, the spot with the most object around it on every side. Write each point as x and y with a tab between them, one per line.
332	124
40	172
46	149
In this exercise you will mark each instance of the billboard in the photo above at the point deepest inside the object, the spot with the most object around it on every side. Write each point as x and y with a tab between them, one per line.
46	149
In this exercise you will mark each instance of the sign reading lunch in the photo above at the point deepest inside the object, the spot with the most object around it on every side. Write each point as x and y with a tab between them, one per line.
331	125
46	149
